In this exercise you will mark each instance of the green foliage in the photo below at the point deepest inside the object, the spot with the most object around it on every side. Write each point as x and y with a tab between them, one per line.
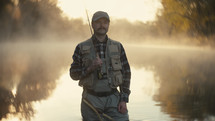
193	17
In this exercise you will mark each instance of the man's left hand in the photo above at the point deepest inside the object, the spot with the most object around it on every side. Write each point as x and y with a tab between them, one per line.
122	108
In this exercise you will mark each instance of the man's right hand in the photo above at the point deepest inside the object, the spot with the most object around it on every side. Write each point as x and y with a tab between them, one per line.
96	63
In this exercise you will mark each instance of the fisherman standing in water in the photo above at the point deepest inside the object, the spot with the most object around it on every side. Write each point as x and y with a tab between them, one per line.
100	64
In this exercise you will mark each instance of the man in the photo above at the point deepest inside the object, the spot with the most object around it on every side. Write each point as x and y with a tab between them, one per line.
101	65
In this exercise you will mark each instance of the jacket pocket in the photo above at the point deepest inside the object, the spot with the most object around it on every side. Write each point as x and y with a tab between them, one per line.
86	49
116	63
86	62
117	79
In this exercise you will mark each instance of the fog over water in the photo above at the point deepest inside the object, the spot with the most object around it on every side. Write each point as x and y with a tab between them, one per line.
37	44
186	79
32	70
185	75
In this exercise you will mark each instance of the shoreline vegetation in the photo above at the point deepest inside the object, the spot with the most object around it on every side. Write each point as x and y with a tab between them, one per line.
189	22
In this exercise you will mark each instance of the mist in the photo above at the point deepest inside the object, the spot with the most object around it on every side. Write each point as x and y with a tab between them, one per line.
29	73
37	44
42	20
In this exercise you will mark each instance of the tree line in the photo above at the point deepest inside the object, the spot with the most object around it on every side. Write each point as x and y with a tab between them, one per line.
195	18
39	19
36	20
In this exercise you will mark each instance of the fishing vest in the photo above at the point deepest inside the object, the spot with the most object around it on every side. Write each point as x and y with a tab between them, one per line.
111	64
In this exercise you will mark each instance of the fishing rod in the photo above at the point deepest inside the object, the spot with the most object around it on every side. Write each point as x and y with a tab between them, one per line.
89	21
97	54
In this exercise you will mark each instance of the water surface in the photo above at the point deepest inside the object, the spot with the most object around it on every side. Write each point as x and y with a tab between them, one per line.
168	83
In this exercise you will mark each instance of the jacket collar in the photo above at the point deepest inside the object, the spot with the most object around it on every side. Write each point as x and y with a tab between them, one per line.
95	40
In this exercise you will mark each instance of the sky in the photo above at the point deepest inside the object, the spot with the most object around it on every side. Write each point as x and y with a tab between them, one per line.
132	10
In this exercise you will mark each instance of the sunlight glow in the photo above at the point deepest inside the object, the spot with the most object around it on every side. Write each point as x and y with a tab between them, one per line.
133	10
14	91
11	118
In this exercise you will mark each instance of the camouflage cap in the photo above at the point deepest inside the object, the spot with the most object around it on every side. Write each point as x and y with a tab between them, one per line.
100	14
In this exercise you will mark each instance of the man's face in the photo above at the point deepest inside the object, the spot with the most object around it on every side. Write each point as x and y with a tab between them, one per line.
100	26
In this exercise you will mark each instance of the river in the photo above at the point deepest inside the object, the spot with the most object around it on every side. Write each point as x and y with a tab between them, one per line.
168	83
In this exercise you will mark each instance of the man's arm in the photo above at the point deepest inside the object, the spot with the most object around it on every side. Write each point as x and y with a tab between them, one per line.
126	72
125	87
76	70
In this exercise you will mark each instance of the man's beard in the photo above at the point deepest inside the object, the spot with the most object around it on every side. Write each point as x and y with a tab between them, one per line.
99	32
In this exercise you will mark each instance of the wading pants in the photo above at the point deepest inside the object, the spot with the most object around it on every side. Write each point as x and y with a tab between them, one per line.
107	105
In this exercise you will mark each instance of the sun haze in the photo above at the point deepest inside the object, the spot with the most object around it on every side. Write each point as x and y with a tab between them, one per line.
132	10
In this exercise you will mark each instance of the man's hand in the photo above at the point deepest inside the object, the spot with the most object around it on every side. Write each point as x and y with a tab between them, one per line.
96	63
122	108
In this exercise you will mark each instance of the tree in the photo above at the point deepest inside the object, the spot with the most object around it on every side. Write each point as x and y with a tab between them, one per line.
196	18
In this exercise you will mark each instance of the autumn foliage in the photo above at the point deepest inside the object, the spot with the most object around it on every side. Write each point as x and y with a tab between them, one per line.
42	20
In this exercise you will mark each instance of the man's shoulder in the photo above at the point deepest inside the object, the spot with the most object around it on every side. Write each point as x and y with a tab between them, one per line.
85	42
114	41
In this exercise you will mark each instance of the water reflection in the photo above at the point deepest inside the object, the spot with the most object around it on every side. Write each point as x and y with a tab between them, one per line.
30	74
187	86
186	78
